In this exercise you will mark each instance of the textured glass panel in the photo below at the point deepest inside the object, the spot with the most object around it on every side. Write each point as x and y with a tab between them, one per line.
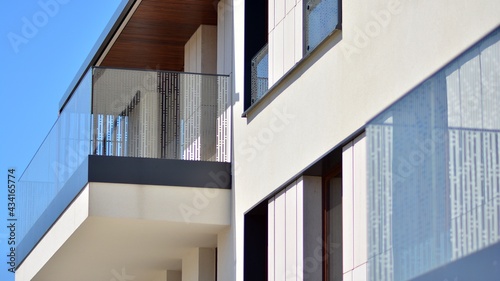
260	74
434	169
321	19
58	158
157	114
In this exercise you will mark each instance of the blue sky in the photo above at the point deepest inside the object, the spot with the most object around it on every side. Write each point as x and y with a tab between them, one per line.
43	44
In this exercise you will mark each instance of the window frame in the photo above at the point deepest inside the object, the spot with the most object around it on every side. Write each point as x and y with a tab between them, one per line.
325	195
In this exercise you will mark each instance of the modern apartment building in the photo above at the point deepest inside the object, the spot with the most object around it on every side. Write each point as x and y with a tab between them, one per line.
274	140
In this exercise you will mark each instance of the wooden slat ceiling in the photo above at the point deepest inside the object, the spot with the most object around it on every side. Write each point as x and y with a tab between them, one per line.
155	35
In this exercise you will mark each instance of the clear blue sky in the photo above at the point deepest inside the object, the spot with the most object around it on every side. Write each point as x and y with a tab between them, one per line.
42	47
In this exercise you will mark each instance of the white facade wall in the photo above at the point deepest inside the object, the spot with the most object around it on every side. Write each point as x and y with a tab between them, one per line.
199	265
385	49
225	255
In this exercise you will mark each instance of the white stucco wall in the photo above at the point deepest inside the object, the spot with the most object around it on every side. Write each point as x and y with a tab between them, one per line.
199	265
385	49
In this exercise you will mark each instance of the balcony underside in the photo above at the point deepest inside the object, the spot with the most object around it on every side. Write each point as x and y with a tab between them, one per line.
155	35
140	229
192	177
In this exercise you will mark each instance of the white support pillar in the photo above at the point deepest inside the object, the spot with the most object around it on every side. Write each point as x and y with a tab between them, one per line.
199	265
225	256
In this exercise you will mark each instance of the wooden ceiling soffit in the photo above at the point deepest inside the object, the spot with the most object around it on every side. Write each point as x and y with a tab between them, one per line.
155	34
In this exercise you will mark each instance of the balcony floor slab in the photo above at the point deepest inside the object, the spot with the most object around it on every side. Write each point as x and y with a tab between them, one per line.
136	229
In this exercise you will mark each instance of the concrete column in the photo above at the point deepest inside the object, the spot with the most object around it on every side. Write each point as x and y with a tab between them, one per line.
226	263
200	52
199	265
199	95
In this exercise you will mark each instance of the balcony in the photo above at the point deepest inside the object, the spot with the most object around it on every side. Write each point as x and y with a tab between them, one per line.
131	132
434	175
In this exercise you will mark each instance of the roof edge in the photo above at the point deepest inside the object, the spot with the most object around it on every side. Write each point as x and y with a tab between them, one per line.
99	48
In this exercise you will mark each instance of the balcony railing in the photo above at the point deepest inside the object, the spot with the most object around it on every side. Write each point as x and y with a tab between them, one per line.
321	18
260	74
130	113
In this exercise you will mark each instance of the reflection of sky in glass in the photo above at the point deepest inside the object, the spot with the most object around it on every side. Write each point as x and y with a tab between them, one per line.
262	67
39	74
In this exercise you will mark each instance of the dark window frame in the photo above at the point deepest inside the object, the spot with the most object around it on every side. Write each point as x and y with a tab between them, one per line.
332	173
